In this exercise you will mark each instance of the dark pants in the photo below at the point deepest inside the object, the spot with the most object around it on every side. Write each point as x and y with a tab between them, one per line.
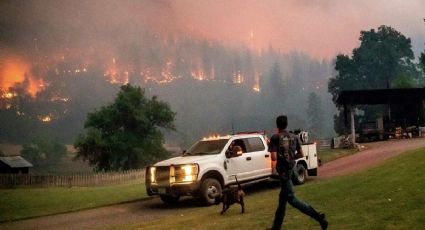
287	195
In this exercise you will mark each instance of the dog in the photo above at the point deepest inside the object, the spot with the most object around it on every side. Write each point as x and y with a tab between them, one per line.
231	195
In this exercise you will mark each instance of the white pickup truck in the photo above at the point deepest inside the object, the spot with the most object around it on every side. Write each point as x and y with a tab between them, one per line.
209	165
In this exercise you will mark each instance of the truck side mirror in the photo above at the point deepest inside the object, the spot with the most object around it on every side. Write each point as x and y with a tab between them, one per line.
228	153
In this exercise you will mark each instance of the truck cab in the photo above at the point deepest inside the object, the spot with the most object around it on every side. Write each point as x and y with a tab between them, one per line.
212	164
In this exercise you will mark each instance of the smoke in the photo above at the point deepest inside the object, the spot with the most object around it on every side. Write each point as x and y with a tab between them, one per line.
43	33
320	29
222	40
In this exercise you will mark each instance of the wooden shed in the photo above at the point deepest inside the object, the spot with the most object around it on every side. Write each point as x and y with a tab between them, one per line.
14	165
409	103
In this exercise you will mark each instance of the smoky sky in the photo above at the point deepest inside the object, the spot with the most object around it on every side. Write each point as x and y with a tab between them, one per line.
321	29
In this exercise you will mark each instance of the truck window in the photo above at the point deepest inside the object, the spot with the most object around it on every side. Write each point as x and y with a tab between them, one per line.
207	147
255	144
239	142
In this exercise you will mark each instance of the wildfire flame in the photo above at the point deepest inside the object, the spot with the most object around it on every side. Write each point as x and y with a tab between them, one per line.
238	78
46	119
198	75
15	70
8	95
256	86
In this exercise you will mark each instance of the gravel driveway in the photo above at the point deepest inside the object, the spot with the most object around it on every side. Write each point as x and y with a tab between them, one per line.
135	212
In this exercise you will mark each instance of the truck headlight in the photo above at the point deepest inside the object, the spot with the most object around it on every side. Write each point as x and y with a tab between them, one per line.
186	173
152	172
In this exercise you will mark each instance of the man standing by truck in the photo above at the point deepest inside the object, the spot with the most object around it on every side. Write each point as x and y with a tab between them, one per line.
285	148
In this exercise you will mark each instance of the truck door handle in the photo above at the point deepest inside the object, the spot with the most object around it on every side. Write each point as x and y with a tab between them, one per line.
266	156
248	158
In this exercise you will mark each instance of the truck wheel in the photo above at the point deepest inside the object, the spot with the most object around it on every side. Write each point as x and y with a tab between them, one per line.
300	174
167	199
210	189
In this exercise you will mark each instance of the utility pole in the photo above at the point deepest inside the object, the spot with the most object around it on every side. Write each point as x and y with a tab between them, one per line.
233	128
353	129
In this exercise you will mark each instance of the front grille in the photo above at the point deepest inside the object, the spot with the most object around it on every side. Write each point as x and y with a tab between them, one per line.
162	176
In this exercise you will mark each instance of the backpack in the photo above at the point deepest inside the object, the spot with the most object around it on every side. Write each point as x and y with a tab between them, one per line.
286	155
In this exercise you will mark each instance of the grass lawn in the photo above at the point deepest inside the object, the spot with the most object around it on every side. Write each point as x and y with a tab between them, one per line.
30	202
390	196
327	155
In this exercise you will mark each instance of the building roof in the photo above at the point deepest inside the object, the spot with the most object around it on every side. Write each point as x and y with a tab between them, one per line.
16	162
381	96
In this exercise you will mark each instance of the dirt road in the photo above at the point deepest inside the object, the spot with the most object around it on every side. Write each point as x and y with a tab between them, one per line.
136	212
373	154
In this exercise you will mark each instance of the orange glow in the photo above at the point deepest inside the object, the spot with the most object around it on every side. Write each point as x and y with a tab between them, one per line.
166	73
46	119
256	86
238	78
8	95
35	86
198	75
215	137
14	70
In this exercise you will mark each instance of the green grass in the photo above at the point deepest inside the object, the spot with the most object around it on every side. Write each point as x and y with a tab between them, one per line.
327	155
31	202
390	196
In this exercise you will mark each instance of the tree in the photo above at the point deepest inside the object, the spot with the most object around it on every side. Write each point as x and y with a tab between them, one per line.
274	91
125	134
19	114
314	115
382	57
44	153
403	81
276	82
422	58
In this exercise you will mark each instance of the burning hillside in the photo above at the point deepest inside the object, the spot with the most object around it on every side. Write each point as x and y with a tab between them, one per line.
152	60
62	59
13	71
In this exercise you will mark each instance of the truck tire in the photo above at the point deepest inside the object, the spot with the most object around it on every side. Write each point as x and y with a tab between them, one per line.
170	200
210	189
300	174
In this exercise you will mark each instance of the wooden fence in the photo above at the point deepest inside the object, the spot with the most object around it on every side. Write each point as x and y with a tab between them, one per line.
323	144
78	180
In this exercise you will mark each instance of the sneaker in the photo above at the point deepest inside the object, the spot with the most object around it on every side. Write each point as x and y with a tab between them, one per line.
323	223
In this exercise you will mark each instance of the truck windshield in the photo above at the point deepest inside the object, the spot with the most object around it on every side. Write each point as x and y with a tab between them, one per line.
206	147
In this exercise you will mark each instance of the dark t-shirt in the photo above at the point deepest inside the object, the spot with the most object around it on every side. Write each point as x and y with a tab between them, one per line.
284	164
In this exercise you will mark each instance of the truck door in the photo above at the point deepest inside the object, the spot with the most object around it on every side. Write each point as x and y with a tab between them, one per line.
240	165
261	159
312	156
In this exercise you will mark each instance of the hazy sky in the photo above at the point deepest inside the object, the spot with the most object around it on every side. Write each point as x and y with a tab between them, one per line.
319	28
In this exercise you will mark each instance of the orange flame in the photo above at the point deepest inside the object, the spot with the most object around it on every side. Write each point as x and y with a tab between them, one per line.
15	70
12	71
238	78
256	86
